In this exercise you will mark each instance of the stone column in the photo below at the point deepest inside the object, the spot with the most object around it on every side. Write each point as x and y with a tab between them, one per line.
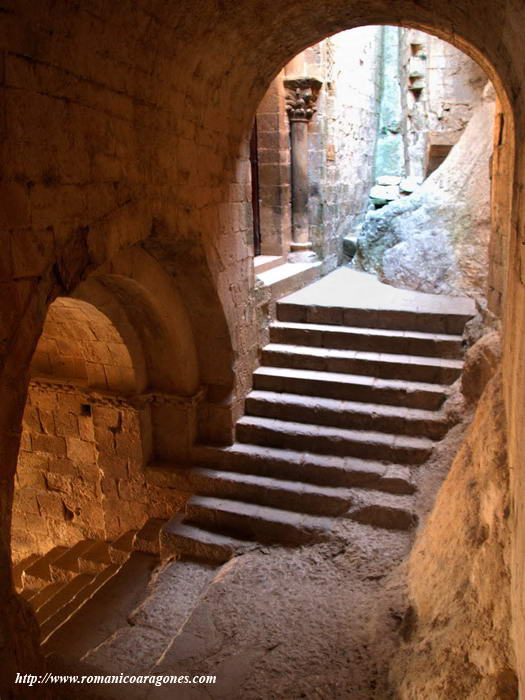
302	93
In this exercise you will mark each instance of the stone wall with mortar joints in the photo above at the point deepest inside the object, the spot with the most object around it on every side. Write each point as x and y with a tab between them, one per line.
274	170
81	343
80	471
443	99
342	136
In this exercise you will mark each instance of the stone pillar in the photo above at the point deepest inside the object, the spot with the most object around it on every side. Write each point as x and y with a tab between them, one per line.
302	93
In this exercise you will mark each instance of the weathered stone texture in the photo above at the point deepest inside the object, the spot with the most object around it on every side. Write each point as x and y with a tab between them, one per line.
436	240
457	640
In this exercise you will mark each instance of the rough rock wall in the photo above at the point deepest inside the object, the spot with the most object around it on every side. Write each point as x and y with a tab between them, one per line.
457	630
436	240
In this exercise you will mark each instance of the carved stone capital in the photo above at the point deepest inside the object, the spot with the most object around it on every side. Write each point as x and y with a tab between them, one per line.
301	96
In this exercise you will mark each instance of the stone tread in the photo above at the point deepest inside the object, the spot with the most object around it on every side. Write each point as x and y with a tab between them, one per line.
85	592
427	320
328	470
388	511
147	538
45	594
342	413
263	523
66	567
345	378
62	597
331	440
298	496
96	558
118	590
185	539
18	569
371	356
38	574
121	548
335	384
362	330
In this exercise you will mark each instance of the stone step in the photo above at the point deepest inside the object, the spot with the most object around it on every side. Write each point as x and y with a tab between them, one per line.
112	595
404	320
62	597
348	387
401	449
96	558
366	339
45	594
147	538
262	490
385	366
17	571
383	510
38	574
324	470
346	414
260	523
65	611
120	550
65	567
192	542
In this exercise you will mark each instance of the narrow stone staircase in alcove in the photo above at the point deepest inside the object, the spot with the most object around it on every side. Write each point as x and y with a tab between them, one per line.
346	404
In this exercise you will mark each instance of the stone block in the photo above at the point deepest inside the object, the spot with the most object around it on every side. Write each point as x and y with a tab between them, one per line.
81	451
53	445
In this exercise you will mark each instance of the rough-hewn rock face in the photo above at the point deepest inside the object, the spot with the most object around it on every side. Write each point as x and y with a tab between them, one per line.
481	362
436	240
456	632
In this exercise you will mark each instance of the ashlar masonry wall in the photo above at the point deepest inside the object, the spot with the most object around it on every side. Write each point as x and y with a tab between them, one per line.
85	439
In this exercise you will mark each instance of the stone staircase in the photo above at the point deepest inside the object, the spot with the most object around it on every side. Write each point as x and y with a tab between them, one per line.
58	583
346	404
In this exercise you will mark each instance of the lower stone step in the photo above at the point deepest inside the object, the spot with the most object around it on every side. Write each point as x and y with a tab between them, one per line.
120	550
383	511
266	491
347	414
260	523
106	605
66	567
147	538
96	558
17	571
325	470
63	612
196	543
45	594
63	597
38	574
349	387
333	441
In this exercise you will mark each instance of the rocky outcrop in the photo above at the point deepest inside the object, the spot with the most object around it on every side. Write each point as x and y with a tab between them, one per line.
436	239
481	361
456	630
